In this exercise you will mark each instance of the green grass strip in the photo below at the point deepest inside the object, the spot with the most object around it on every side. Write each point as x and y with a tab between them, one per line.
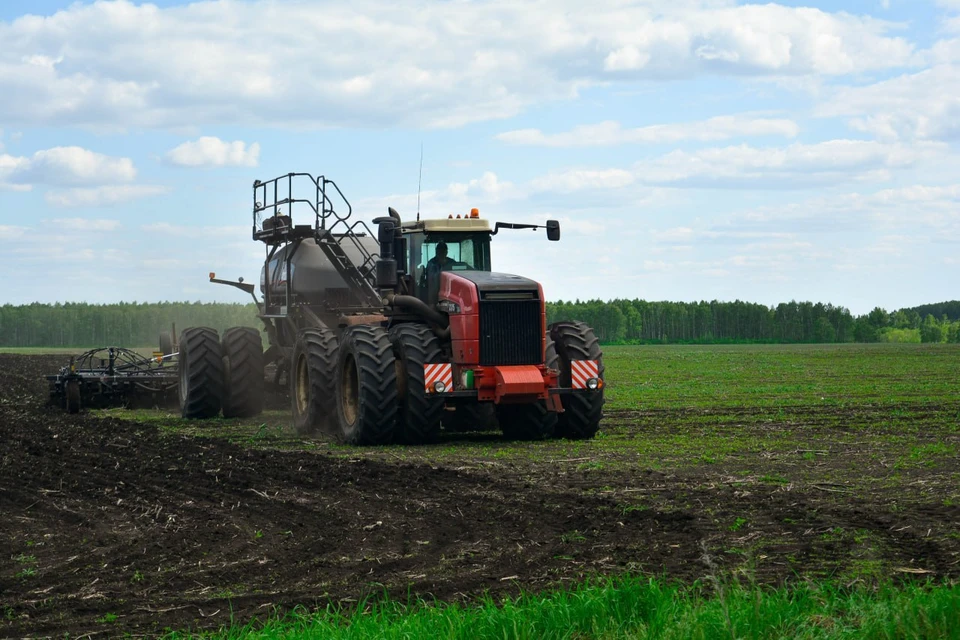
642	608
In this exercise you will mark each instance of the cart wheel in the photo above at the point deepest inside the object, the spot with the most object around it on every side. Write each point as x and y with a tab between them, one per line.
72	396
166	343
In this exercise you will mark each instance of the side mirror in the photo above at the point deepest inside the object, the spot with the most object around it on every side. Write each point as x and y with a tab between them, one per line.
553	230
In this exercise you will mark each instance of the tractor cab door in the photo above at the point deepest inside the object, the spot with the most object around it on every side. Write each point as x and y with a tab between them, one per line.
432	253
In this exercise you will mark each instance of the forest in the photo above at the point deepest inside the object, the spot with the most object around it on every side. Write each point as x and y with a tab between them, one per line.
643	322
138	324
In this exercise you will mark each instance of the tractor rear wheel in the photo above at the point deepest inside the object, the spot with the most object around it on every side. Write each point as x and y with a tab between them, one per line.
312	379
583	410
200	366
366	394
242	350
531	421
419	415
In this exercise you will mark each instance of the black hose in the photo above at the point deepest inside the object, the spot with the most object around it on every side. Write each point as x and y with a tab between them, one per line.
419	307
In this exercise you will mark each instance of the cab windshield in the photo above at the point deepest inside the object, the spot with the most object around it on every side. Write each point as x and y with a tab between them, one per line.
433	253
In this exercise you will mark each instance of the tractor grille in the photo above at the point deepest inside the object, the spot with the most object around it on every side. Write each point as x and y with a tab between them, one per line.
510	331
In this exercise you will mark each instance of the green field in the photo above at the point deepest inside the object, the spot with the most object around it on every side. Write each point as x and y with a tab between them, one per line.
860	434
734	491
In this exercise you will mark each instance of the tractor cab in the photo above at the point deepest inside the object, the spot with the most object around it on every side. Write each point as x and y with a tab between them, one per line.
434	246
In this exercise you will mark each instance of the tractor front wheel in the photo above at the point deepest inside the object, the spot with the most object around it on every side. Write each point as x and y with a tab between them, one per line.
200	365
366	394
582	410
471	416
242	350
312	378
530	421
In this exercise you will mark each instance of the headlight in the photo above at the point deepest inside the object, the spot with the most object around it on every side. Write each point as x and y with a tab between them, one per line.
448	307
439	386
593	383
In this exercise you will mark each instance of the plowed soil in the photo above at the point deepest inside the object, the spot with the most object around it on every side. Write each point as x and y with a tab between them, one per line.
112	526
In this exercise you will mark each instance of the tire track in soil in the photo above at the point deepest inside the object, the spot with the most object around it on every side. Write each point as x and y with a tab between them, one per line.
170	531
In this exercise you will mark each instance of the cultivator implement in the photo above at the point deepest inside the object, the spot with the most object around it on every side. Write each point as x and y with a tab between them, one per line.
115	377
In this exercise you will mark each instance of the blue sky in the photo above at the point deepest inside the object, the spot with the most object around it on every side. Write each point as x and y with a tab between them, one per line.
692	149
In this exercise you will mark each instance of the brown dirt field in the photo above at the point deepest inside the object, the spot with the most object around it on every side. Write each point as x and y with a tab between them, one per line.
104	517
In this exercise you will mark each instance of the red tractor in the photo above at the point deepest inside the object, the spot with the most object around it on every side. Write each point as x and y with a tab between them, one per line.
394	337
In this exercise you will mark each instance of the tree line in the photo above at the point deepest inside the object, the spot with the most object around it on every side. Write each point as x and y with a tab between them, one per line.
645	322
133	324
618	321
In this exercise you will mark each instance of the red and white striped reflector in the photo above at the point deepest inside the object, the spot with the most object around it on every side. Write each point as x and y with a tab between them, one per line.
583	370
440	372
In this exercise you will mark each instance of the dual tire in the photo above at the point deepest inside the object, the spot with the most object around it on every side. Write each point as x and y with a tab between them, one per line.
220	375
346	387
368	387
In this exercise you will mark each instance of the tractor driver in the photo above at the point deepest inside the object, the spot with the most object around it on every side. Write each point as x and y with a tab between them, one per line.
440	261
436	264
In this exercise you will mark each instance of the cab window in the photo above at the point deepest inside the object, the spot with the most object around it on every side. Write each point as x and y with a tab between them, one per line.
464	252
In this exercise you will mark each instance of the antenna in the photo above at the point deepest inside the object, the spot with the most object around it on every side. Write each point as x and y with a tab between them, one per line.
419	181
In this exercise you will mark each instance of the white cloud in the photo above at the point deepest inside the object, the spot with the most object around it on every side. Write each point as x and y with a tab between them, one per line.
102	196
580	179
611	133
686	235
487	186
376	63
456	198
84	224
924	211
210	151
797	165
912	106
9	232
226	231
9	165
66	166
744	166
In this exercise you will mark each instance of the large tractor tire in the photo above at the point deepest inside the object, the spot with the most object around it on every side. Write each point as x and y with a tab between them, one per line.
418	420
582	411
313	381
366	394
242	350
531	421
471	417
201	373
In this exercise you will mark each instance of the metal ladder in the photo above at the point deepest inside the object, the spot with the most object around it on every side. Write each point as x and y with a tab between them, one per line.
330	231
